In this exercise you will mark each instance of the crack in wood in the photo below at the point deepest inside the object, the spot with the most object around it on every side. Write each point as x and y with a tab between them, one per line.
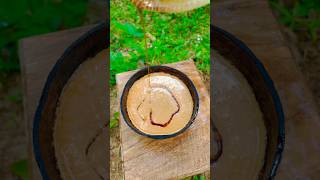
91	142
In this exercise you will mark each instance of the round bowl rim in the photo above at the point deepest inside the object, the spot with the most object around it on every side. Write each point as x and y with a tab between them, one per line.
271	87
38	116
159	68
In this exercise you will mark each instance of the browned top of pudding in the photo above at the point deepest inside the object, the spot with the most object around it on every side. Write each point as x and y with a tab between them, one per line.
238	116
159	103
80	115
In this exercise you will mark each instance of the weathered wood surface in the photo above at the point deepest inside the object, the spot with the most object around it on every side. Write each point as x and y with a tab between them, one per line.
252	22
185	155
37	57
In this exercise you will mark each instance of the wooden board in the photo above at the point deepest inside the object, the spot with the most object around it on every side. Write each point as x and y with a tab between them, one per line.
252	22
37	56
185	155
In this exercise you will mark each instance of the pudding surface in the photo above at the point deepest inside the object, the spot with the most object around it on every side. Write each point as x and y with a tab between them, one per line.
159	104
79	138
237	115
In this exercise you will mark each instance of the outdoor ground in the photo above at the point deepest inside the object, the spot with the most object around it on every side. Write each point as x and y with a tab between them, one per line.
13	141
29	18
307	57
299	23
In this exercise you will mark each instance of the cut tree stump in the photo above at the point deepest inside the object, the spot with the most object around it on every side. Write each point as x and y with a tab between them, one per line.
184	155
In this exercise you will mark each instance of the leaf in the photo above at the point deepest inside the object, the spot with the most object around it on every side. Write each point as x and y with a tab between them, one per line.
32	17
300	10
20	169
130	29
16	98
115	120
303	16
285	14
4	24
9	66
174	34
202	177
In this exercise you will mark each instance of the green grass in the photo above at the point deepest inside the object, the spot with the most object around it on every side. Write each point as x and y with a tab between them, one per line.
22	18
303	16
173	37
198	177
20	169
114	122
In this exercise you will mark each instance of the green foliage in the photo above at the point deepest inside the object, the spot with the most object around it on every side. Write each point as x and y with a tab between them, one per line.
20	169
171	38
15	98
114	122
199	177
304	15
22	18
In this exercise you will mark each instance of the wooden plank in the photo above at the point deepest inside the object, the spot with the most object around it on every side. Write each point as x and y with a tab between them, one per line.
185	155
37	56
252	22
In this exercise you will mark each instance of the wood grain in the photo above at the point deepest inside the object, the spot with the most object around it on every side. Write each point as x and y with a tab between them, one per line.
185	155
252	22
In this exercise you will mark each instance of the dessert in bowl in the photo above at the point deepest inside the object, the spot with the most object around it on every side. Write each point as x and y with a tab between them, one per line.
159	102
